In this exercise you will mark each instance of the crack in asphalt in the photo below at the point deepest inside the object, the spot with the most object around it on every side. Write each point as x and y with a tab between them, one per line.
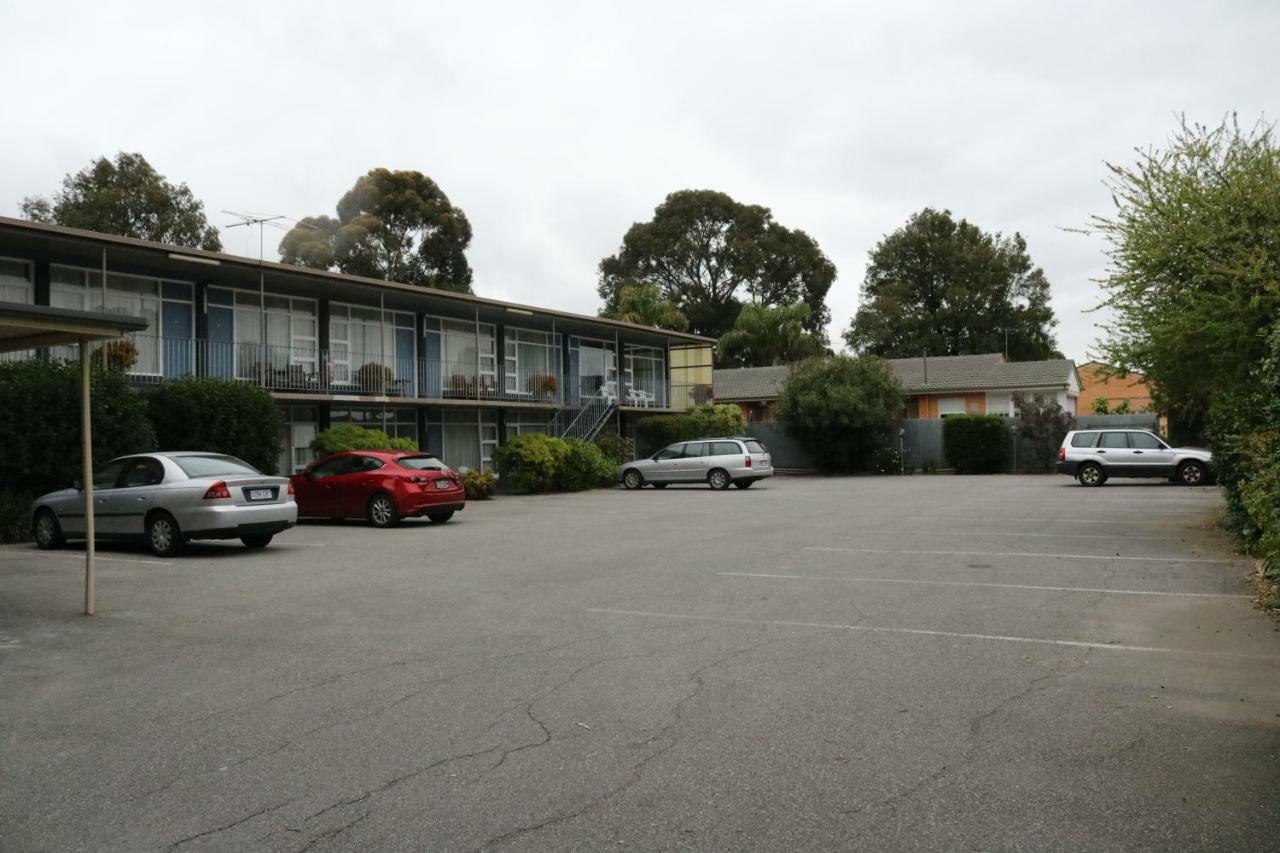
664	734
181	841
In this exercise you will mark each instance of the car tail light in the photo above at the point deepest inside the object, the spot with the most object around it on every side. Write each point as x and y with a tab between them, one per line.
1062	454
218	491
747	464
290	487
421	481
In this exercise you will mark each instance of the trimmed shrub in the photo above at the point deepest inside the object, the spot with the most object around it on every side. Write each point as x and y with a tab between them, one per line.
40	423
479	484
616	448
840	409
218	415
1044	424
584	467
531	462
355	437
975	444
15	515
706	421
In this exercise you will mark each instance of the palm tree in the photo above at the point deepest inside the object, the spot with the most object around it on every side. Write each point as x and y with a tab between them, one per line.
764	336
643	305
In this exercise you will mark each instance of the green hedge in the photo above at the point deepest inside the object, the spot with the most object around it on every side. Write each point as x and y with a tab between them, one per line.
219	415
657	431
40	432
839	409
975	444
541	463
479	484
354	437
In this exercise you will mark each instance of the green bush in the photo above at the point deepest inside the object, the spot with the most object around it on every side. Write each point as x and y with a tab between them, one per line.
219	415
584	467
40	423
975	444
531	462
707	421
839	409
616	448
15	515
479	484
355	437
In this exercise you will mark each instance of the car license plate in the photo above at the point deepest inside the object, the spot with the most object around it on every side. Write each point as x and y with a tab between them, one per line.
444	484
260	495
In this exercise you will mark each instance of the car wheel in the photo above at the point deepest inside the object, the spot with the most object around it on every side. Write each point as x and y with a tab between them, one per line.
48	531
1192	473
659	485
164	537
382	511
718	479
260	540
744	484
633	479
1091	475
440	517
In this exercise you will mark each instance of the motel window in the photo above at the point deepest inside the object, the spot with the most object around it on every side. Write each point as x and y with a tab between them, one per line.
16	281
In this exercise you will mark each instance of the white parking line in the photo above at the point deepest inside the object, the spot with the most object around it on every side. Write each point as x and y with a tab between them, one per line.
1036	535
878	629
80	558
1020	554
987	585
988	520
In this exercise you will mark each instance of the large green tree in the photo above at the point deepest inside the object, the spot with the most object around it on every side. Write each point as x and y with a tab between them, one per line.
644	305
710	254
398	226
1194	280
129	198
764	336
839	408
947	287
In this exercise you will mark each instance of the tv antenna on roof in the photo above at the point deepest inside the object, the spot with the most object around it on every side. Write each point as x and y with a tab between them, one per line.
250	219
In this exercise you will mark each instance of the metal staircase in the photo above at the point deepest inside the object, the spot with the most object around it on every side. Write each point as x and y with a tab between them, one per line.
585	421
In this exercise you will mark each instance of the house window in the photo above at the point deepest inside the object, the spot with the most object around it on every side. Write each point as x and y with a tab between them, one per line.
593	369
297	432
522	423
395	422
950	406
644	376
165	348
468	437
16	283
532	364
999	403
470	358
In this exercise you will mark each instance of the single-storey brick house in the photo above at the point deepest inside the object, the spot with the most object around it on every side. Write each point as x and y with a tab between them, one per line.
935	387
1099	381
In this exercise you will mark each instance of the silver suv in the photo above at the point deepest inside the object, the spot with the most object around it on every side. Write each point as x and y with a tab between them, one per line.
714	461
1094	455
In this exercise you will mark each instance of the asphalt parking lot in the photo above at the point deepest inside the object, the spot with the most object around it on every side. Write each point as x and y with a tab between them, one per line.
927	663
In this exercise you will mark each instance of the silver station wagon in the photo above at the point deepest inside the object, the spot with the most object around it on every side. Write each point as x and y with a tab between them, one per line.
166	499
714	461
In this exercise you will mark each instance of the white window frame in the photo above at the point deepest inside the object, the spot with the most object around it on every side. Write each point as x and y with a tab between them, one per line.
29	286
951	408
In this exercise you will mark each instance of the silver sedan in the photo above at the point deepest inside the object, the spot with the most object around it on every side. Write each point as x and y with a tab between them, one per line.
167	499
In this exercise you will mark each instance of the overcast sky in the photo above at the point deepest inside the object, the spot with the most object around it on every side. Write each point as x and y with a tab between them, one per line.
557	125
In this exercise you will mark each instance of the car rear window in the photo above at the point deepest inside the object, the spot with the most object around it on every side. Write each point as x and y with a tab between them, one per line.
214	466
1084	439
421	463
755	447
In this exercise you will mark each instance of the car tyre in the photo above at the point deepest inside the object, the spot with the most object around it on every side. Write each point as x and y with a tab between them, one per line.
744	484
633	479
164	536
718	479
382	511
440	517
1091	474
1192	473
257	540
48	531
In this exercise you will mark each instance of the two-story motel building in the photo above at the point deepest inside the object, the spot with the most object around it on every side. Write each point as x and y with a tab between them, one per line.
457	373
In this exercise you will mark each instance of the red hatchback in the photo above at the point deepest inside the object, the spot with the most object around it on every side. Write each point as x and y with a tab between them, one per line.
383	486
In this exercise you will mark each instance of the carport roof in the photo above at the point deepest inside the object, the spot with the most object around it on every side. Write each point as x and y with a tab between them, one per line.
749	383
24	327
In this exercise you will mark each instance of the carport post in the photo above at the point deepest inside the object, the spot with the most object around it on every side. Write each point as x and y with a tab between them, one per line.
86	449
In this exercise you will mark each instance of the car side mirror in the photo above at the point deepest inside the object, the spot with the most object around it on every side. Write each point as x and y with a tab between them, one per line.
78	485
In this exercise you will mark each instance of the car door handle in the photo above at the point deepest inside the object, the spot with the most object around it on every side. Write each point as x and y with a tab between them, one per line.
1137	451
1103	452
